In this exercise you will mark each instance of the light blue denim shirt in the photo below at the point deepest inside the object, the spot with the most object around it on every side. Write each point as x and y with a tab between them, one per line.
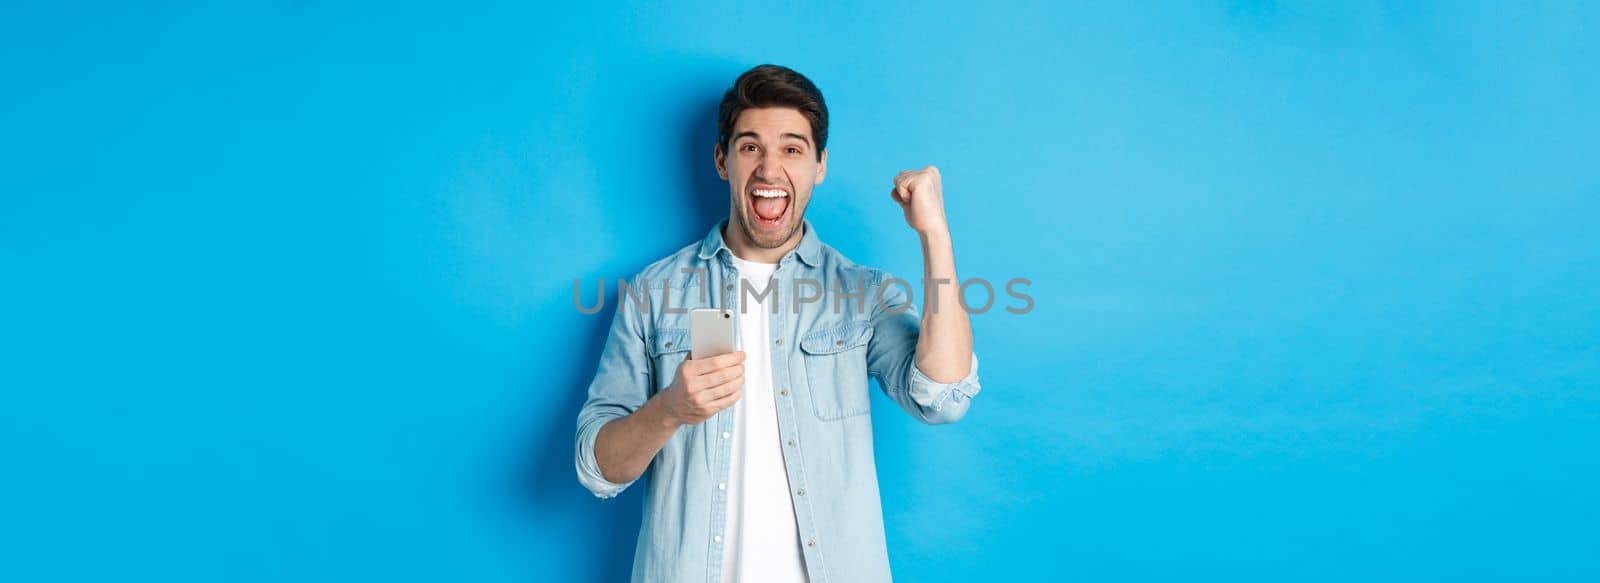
822	353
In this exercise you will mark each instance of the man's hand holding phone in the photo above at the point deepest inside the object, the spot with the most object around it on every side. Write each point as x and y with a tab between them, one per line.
703	387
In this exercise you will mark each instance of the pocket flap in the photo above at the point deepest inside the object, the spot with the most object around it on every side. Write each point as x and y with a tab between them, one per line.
669	340
837	339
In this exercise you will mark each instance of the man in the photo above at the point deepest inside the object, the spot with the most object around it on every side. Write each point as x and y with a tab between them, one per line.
762	458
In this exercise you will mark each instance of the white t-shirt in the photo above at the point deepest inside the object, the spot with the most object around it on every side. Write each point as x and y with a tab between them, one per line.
763	538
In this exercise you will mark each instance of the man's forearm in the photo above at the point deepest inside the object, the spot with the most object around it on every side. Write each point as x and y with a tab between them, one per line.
944	350
625	446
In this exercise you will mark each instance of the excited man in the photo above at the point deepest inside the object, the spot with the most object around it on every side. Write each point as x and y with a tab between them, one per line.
762	458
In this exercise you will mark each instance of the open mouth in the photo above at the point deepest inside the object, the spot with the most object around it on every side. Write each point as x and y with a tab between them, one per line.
769	205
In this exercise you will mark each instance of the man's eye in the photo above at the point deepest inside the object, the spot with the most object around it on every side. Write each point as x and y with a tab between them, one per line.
794	150
748	147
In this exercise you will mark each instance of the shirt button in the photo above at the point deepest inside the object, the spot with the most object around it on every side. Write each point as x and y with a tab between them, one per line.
791	443
725	434
717	538
780	342
784	392
811	543
802	492
722	486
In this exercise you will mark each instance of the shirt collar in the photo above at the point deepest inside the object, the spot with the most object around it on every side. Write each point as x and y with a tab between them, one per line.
809	250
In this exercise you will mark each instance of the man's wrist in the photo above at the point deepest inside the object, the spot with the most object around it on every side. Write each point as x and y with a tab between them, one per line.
935	238
656	415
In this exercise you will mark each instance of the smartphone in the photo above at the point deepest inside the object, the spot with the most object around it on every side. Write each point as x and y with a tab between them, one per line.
710	332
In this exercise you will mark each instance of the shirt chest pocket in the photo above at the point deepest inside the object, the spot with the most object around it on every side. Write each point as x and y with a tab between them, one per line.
668	348
836	369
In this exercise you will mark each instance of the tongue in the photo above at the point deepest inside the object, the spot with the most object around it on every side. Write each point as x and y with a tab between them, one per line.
771	209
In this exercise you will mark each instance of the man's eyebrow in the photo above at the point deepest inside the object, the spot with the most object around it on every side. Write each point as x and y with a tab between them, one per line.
753	136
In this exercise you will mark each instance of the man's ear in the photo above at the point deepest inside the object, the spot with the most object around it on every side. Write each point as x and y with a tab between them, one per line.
822	167
721	160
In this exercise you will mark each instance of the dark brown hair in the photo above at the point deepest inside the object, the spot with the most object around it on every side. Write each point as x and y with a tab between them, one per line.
773	86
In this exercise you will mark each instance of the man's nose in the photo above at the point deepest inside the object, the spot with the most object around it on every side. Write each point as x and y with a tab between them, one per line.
769	167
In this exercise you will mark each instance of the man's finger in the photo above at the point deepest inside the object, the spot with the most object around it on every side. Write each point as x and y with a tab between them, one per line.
726	394
719	376
723	389
719	362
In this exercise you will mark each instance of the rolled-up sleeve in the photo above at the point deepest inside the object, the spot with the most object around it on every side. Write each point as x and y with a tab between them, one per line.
931	393
891	358
621	385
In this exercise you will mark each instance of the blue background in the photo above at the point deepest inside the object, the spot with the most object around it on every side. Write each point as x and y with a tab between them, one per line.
287	290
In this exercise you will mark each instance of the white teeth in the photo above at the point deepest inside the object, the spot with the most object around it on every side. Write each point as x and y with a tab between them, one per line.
770	193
